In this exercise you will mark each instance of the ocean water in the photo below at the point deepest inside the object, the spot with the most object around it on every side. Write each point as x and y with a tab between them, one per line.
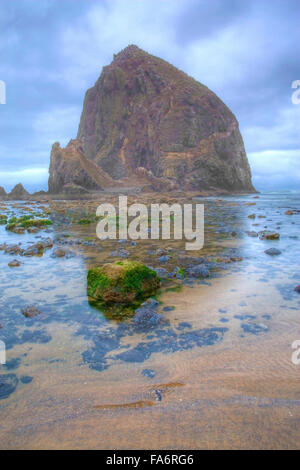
216	373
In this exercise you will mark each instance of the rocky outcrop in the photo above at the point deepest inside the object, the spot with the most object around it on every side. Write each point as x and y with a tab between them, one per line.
18	193
71	172
2	193
147	123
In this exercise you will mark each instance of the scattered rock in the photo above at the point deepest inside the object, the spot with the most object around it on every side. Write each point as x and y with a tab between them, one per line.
120	253
146	316
14	264
236	258
168	308
297	289
8	384
151	303
34	250
13	249
199	271
26	379
164	259
30	311
59	253
268	235
273	252
33	230
161	272
289	212
251	216
18	230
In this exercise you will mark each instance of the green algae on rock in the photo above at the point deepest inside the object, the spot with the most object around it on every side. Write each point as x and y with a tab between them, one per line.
123	282
3	219
26	222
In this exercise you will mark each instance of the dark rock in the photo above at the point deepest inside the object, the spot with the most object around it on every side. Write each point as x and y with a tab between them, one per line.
32	229
161	272
13	363
273	252
297	289
13	249
14	264
147	316
164	259
26	379
150	303
120	253
268	235
58	253
34	250
168	308
199	271
8	384
18	230
30	311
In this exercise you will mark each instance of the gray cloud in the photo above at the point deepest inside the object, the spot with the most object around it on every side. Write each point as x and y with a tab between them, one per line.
53	50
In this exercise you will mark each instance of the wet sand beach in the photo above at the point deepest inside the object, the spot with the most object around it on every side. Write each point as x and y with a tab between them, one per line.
215	373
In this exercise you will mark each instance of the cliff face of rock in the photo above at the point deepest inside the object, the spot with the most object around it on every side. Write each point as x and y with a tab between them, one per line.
71	172
145	118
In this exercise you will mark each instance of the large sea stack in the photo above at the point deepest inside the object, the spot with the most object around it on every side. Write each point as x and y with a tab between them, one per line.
145	123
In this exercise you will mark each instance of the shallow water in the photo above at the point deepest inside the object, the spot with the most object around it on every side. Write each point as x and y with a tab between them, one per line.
216	374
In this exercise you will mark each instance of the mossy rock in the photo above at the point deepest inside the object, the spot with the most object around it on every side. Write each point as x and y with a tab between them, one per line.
123	282
25	222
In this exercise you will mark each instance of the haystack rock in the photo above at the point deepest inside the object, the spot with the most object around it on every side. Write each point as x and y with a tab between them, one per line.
18	193
146	123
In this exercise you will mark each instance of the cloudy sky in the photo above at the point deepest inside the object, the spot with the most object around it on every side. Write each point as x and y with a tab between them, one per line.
246	51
